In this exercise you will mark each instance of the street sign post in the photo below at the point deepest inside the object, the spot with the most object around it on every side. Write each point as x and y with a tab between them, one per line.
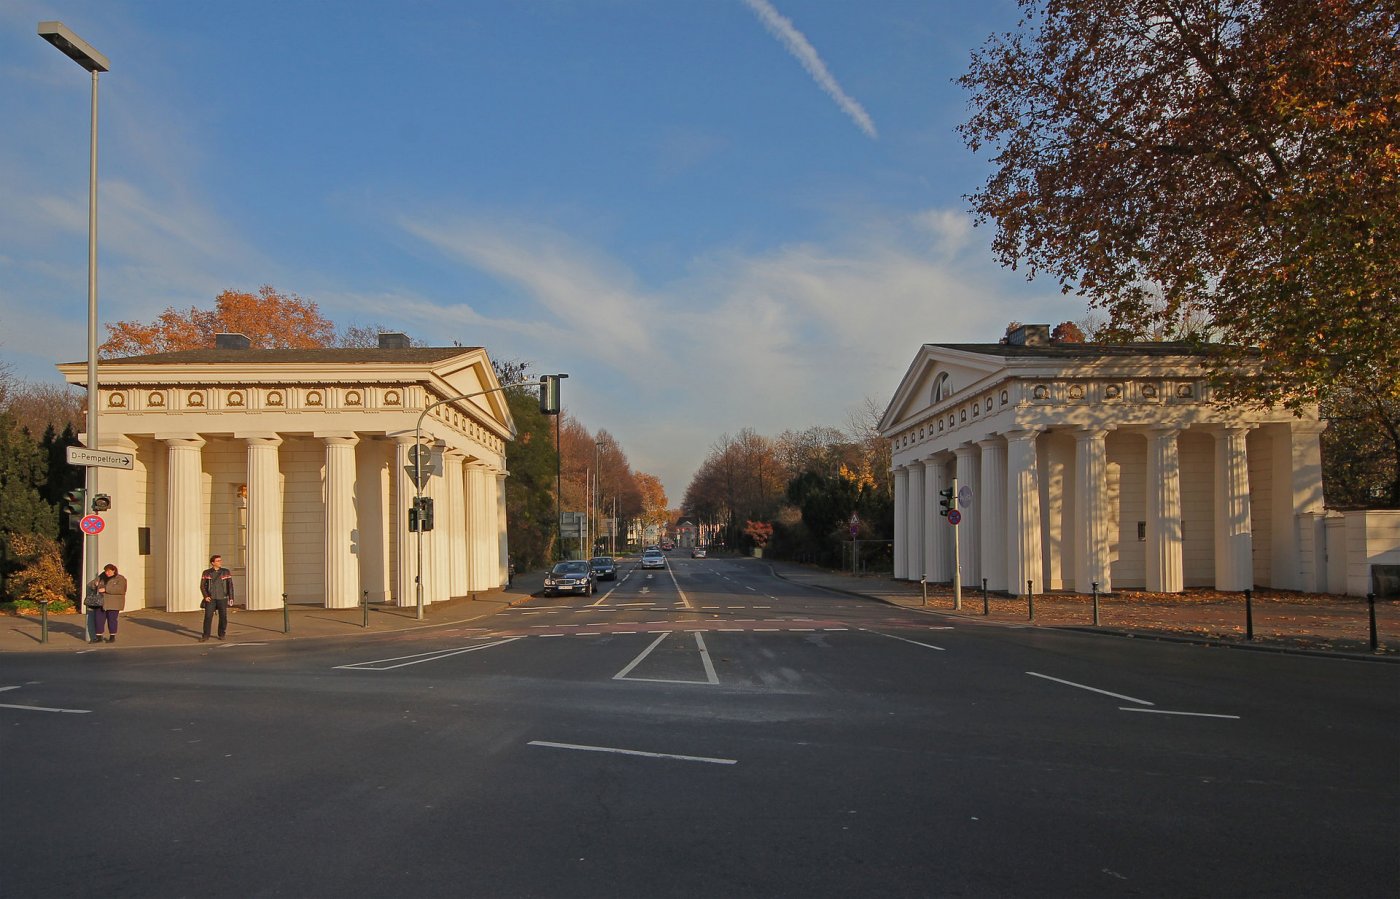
91	458
954	516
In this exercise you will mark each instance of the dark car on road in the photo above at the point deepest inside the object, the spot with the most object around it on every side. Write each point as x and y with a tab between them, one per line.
604	568
569	577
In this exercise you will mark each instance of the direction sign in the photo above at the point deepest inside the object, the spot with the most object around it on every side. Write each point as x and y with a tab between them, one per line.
954	516
92	524
91	458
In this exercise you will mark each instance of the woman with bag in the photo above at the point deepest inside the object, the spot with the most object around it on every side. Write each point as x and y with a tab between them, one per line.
105	597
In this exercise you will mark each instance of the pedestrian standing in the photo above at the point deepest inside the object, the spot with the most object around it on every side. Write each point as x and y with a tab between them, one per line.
110	590
216	586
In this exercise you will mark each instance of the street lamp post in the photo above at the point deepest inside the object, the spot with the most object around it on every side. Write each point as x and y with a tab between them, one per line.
85	55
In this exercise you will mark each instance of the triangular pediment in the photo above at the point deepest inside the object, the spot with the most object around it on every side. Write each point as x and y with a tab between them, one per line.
937	374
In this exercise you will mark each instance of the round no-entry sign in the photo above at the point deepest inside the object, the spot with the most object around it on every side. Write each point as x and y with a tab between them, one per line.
92	524
954	516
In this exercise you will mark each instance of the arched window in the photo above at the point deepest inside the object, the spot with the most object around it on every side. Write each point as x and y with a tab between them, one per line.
941	387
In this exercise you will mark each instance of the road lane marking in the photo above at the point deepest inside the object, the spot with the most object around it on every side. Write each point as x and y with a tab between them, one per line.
1070	683
1167	712
637	752
420	658
39	708
705	657
903	640
638	660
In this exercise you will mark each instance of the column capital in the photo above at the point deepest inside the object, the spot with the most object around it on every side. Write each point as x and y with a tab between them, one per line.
1023	435
1225	429
193	441
260	439
992	440
1094	432
338	438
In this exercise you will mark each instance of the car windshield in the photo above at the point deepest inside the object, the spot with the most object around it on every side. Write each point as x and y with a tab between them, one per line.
571	568
602	560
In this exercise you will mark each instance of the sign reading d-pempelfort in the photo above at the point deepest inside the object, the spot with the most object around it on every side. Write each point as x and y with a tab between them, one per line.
78	455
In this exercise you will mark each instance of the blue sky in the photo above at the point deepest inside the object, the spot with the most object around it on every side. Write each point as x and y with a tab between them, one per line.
713	214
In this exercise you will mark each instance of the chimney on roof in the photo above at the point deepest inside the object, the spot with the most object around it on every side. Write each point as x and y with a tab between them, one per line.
232	342
393	340
1030	335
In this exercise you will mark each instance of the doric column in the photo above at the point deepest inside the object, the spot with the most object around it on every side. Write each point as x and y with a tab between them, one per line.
1164	562
1234	542
405	541
373	512
342	524
266	577
437	563
917	504
482	534
503	544
901	523
120	546
455	520
968	474
1296	493
1024	553
938	562
992	508
186	541
1091	564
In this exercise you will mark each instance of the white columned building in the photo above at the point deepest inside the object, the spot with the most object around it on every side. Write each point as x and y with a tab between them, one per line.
1108	464
294	465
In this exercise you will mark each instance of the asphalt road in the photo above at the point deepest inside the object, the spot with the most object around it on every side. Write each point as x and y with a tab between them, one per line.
707	730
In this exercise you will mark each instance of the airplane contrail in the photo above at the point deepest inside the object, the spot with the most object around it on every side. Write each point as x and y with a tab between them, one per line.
798	45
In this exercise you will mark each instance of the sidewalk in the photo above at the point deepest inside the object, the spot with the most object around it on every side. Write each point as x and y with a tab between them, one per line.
156	627
1282	621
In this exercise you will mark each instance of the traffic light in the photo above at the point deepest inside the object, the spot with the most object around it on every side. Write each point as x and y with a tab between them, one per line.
549	394
948	503
101	502
420	514
73	501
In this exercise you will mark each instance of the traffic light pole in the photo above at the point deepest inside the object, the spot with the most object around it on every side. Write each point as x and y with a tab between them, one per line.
957	556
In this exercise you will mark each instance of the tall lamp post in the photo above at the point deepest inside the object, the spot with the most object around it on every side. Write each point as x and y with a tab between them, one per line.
85	55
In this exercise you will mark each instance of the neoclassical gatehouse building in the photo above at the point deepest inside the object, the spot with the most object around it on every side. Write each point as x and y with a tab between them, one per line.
1098	464
296	467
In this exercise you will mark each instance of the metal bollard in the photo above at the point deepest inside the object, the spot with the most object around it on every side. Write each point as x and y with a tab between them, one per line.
923	582
44	621
364	605
986	604
1096	603
286	616
1249	614
1375	638
1030	599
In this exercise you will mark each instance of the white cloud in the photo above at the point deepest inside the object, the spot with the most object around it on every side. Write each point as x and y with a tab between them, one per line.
798	45
795	336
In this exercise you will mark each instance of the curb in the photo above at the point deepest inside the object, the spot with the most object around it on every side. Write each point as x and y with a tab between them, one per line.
1391	659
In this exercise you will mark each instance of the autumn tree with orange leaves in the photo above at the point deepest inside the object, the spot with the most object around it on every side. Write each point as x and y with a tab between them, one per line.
269	318
1233	158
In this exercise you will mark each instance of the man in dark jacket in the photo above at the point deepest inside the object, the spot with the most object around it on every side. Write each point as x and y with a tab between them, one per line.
216	586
